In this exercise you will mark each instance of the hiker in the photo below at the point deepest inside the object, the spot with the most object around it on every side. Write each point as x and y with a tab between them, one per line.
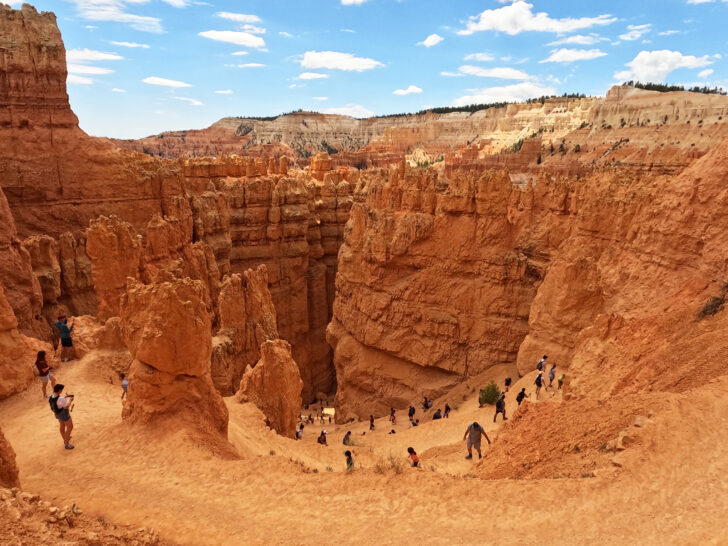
539	383
521	395
415	423
310	419
541	364
68	353
561	380
349	460
500	407
322	438
552	375
426	404
446	415
411	412
473	434
508	383
392	431
371	422
60	405
413	456
299	432
347	438
392	416
437	415
124	385
44	372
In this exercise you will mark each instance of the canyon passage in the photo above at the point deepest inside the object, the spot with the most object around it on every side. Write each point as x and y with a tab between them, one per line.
264	286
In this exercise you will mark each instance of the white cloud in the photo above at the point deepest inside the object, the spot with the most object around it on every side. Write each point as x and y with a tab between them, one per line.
654	66
164	82
504	73
238	17
250	65
117	90
311	76
225	92
286	34
508	93
565	55
320	98
518	17
335	60
705	73
253	29
348	30
130	44
193	102
431	40
352	109
83	55
90	27
352	2
234	37
635	32
79	80
115	11
481	57
451	74
87	69
668	32
411	89
240	53
177	3
579	39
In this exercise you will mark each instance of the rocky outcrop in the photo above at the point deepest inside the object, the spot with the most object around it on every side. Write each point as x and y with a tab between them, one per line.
274	386
8	468
247	318
166	327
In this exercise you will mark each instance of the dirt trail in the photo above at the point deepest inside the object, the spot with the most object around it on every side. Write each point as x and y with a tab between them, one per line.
177	487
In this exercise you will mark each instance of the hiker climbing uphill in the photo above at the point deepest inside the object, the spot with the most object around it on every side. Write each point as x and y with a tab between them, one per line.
500	407
473	436
61	407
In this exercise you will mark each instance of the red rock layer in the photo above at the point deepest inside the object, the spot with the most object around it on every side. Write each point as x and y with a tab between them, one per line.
8	468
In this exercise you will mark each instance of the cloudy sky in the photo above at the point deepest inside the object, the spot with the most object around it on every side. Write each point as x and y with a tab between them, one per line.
139	67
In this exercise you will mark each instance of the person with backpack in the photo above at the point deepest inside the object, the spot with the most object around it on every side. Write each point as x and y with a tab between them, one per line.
45	372
61	407
413	456
541	364
521	395
539	383
500	407
437	415
508	383
473	435
322	438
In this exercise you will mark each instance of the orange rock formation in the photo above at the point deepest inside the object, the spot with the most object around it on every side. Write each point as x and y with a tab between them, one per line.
8	468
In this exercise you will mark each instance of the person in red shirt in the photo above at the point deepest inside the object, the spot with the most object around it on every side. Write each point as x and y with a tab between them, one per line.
44	372
413	456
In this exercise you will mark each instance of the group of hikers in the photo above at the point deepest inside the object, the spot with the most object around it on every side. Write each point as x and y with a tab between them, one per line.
62	405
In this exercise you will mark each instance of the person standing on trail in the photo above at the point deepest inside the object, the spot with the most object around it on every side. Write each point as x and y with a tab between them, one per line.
67	351
44	372
446	415
508	383
124	385
561	380
473	435
60	405
371	422
413	456
299	432
349	460
411	412
322	438
552	375
521	395
500	407
539	383
347	438
392	416
541	366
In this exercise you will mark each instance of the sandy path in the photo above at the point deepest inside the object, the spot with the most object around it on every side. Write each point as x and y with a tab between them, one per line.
191	497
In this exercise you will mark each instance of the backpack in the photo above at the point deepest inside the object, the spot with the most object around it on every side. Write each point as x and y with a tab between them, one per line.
53	402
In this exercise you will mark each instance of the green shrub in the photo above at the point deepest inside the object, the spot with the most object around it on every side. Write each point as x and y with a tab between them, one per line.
489	394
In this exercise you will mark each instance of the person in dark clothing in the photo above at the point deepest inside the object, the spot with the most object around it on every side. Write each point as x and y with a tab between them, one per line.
44	372
500	407
411	412
538	383
437	415
541	366
508	383
521	395
446	415
371	422
349	461
413	456
392	416
322	438
347	438
67	350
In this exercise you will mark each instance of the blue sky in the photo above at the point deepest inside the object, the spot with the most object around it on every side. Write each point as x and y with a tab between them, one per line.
139	67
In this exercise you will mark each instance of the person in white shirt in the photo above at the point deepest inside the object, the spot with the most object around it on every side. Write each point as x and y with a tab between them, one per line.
61	409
